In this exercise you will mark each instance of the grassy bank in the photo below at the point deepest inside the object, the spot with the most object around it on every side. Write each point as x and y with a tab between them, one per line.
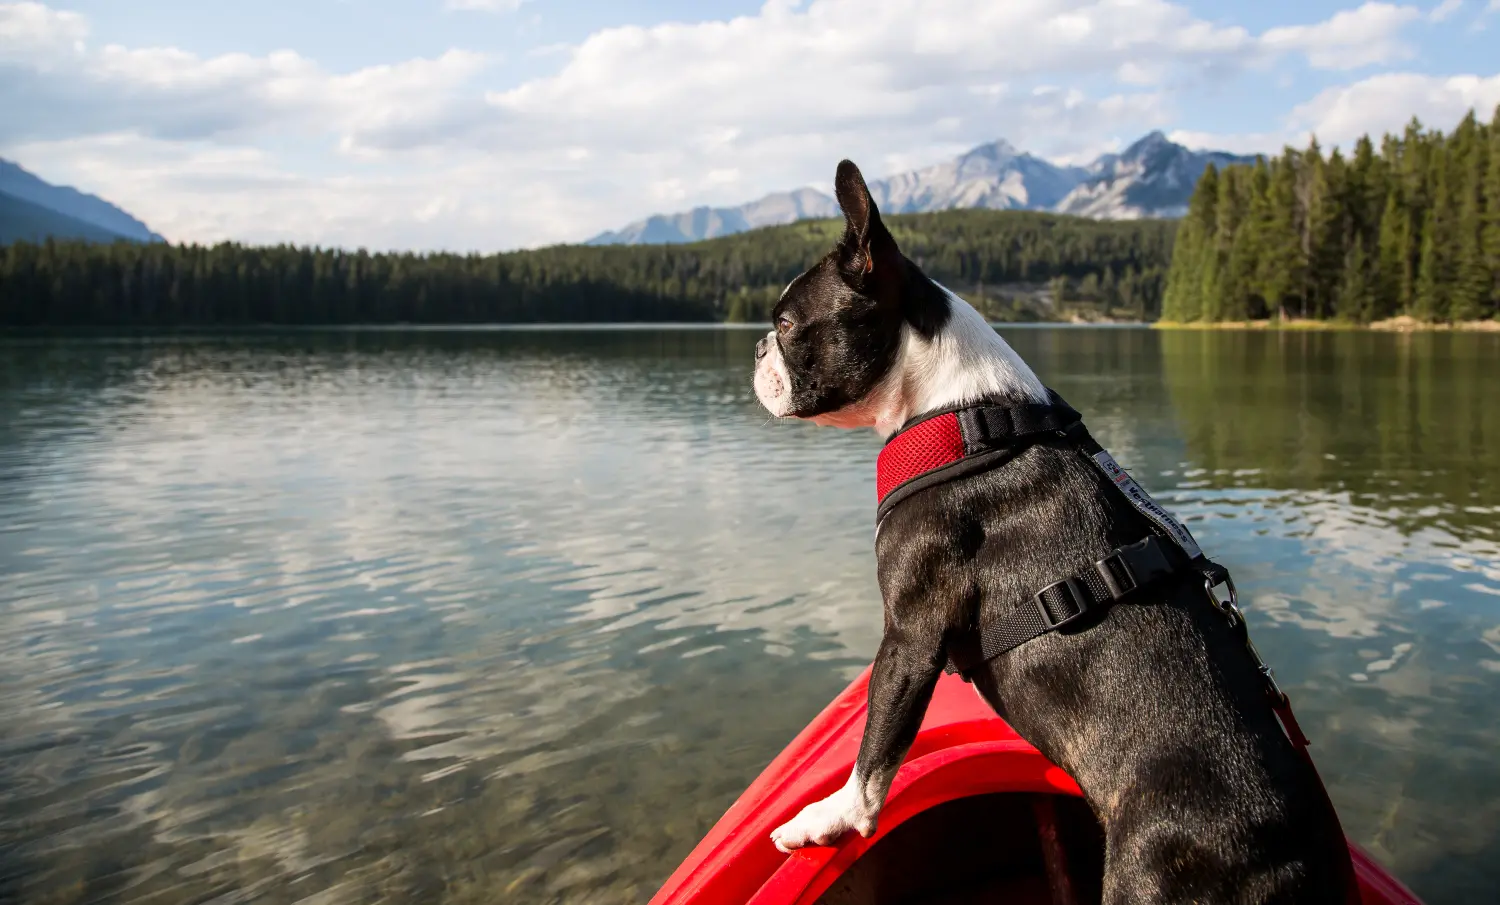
1402	324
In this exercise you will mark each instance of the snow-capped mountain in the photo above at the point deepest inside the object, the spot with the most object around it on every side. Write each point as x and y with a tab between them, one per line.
1154	177
994	176
709	222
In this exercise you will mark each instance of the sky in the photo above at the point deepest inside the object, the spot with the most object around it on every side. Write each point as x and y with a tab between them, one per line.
483	125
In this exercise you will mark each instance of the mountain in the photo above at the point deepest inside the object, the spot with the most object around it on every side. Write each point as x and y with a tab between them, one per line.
712	222
1154	177
101	221
994	176
22	221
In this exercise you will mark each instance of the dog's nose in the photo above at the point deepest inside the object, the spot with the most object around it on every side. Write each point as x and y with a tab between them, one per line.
761	349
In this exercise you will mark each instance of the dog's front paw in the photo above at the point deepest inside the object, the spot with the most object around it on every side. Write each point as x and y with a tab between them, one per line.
823	822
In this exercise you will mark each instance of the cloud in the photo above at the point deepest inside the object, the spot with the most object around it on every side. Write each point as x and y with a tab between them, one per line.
200	191
1237	143
1350	39
1372	106
171	93
632	118
37	34
1444	10
1385	103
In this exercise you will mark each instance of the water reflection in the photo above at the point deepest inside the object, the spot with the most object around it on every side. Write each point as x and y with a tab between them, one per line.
512	616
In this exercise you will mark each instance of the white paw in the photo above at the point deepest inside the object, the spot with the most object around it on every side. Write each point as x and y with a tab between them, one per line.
823	822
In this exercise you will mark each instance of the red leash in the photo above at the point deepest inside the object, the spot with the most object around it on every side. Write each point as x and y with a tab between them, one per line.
1283	709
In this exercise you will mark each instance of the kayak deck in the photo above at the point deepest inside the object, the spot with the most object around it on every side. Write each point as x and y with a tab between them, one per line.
968	770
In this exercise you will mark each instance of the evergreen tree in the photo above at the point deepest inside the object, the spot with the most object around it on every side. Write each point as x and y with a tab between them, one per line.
1183	299
1356	295
740	276
1326	230
1286	261
1468	297
1435	270
1490	217
1413	229
1393	265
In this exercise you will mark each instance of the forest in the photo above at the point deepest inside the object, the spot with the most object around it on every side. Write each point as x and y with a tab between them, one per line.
1412	228
1063	264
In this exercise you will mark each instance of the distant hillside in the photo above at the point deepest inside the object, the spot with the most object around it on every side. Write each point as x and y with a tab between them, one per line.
1152	178
22	221
69	203
1014	265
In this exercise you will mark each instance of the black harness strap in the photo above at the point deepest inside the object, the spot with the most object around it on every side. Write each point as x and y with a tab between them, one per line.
992	435
989	426
1109	581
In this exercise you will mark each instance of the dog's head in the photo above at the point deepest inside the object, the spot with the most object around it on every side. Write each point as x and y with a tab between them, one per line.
837	330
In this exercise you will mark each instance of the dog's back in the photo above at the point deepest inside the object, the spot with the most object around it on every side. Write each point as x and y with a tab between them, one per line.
1153	706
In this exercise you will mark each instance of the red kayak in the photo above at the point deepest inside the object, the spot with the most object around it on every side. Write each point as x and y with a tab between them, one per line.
966	764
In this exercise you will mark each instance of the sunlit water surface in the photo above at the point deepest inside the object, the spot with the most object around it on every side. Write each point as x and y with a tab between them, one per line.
512	616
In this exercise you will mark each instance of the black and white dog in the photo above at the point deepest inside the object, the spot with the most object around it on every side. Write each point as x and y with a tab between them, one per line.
1154	706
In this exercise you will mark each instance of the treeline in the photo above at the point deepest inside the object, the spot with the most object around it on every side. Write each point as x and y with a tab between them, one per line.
1411	229
735	278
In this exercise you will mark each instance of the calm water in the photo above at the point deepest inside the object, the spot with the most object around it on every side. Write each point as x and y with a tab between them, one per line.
513	616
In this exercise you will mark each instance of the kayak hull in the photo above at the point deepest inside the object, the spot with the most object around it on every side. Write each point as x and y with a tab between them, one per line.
962	751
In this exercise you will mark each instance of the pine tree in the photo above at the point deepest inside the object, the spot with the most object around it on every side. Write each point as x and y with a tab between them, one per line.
1393	265
1223	285
1183	299
1326	230
1356	297
1435	269
1285	262
1471	278
1490	217
1256	250
1367	189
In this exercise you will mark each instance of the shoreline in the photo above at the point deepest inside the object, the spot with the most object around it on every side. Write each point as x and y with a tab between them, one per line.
1401	324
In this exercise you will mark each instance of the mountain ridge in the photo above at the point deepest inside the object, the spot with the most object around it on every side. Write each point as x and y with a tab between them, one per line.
1153	177
69	204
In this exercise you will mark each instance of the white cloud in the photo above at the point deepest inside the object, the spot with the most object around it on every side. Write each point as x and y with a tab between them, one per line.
33	33
1237	143
1385	103
1350	39
1372	106
633	118
1444	10
199	191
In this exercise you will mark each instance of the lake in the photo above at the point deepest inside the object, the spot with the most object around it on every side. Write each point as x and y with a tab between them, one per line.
461	616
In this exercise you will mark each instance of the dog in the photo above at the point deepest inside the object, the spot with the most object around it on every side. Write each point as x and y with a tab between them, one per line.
1153	705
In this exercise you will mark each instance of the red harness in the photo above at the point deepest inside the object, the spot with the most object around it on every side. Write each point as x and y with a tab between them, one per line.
951	443
924	447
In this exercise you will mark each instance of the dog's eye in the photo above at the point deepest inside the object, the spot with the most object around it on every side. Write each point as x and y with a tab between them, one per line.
783	325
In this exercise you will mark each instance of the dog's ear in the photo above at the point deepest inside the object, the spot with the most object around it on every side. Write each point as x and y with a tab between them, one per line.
866	249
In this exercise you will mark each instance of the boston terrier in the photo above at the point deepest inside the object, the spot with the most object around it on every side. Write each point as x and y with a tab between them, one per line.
1153	705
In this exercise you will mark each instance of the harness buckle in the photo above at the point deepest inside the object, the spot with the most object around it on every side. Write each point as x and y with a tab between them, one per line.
1073	591
1231	609
1133	566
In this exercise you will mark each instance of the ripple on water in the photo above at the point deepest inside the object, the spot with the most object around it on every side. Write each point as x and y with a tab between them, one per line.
354	617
